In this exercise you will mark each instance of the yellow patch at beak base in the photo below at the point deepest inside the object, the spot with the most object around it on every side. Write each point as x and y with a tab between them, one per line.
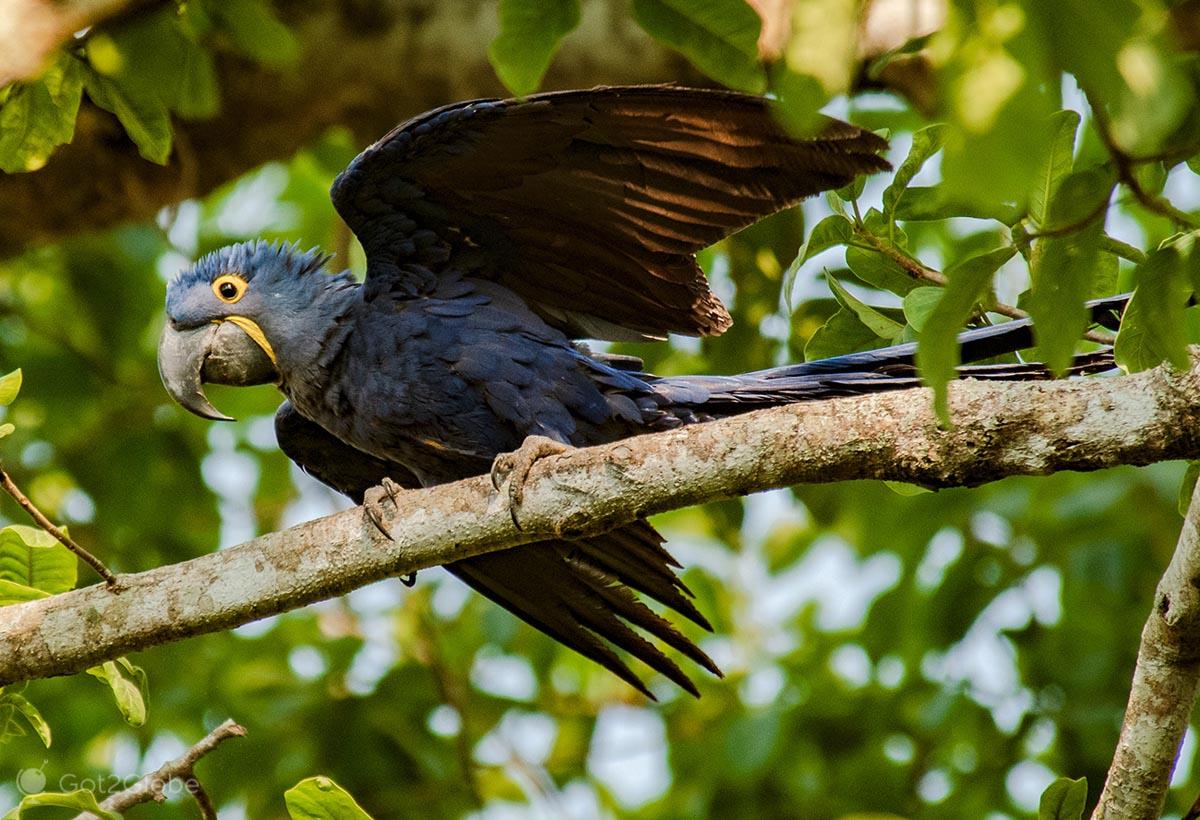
255	332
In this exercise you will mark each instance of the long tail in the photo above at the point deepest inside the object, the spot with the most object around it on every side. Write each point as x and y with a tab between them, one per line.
686	399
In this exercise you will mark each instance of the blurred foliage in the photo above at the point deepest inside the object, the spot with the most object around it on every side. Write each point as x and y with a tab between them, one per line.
886	652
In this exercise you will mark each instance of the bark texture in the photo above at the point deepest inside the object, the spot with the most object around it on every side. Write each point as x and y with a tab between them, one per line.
1165	682
1001	429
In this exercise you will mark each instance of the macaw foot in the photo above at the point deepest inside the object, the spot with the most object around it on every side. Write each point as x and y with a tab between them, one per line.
514	468
373	501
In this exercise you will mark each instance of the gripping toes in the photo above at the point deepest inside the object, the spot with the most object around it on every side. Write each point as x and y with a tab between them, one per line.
514	468
374	499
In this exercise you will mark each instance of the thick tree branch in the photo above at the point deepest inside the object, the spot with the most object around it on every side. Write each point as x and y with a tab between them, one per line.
366	65
1002	429
1165	682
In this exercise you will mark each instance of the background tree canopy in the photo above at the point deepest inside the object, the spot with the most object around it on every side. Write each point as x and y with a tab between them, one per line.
887	651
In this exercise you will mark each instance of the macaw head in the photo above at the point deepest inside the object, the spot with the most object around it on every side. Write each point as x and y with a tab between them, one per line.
236	312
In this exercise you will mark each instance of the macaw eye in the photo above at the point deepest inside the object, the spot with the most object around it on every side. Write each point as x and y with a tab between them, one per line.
229	288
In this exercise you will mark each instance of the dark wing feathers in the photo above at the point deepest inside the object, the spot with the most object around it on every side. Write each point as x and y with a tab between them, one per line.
589	204
581	593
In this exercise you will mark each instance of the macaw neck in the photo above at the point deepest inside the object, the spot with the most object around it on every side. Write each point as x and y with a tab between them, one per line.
307	339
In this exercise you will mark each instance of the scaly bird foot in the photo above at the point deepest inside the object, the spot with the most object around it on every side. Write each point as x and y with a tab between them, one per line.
372	507
514	468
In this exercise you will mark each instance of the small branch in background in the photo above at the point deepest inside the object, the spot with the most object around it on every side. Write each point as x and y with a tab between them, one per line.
922	273
1125	164
1165	683
42	521
182	768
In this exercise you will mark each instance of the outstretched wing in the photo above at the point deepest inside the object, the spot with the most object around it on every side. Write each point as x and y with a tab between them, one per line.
589	204
581	593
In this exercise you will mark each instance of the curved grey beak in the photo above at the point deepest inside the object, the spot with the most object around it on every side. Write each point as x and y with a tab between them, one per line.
214	354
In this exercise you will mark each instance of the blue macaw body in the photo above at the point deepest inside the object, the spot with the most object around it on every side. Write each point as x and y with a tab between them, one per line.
498	233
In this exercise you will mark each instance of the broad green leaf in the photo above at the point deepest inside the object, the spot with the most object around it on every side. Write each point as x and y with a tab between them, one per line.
926	142
12	592
1064	799
31	714
831	231
257	32
10	386
1064	267
921	204
144	118
39	115
1187	487
79	800
1080	197
938	354
919	303
319	798
128	685
1153	328
7	429
872	319
720	37
1056	165
879	271
33	558
842	333
157	57
530	32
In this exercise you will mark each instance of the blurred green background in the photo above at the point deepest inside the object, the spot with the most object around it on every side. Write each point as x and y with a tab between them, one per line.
929	655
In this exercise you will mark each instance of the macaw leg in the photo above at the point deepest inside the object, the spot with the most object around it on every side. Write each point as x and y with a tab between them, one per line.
514	468
373	501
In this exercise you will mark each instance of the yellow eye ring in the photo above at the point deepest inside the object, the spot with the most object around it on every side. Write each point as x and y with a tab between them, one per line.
229	288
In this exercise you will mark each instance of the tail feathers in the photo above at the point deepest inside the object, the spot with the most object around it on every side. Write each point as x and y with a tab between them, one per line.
581	593
687	399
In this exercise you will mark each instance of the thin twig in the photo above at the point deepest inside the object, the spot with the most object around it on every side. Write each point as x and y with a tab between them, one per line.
1164	687
1125	163
42	521
152	786
920	272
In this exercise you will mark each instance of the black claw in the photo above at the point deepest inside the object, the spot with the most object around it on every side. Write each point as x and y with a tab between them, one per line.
374	518
409	580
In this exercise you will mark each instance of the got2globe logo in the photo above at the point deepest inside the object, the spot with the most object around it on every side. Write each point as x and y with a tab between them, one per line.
33	780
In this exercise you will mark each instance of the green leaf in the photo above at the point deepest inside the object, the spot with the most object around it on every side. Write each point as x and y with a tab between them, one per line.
926	142
1056	165
79	800
1187	487
872	319
921	204
319	798
530	32
257	32
10	386
38	116
905	489
128	685
831	231
938	353
1064	799
1064	268
1153	328
879	271
720	37
31	714
12	592
145	118
33	558
842	333
919	303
